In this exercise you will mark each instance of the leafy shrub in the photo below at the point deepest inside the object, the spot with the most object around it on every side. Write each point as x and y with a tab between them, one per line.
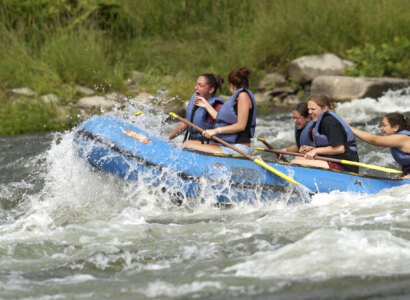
18	116
389	59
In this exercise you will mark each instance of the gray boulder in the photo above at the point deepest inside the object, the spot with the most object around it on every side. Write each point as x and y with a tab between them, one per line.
344	88
95	102
304	69
271	80
283	91
25	91
137	77
291	101
83	90
50	99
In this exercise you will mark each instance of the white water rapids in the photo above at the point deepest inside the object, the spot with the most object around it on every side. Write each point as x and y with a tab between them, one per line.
68	231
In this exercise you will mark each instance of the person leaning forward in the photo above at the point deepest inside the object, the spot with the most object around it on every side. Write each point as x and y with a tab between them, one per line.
332	137
396	135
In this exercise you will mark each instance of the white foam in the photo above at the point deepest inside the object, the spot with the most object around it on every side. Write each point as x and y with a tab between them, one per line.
161	288
326	253
364	110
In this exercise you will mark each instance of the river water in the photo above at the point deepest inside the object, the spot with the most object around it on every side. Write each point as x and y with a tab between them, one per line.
70	232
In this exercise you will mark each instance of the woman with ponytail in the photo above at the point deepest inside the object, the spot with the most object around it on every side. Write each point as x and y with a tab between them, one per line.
236	120
396	135
332	137
206	87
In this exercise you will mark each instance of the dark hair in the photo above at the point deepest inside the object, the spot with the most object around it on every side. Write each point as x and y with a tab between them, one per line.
398	119
239	77
214	80
302	108
323	100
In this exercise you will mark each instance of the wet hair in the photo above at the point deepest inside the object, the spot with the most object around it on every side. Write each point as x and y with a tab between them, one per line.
323	100
398	119
214	81
239	77
302	108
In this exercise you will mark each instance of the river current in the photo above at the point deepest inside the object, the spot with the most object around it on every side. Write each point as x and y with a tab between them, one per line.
68	231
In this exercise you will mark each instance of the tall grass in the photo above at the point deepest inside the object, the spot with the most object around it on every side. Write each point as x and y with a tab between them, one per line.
45	44
96	42
288	29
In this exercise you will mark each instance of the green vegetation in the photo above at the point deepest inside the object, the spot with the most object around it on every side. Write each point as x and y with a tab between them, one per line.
46	44
392	60
29	116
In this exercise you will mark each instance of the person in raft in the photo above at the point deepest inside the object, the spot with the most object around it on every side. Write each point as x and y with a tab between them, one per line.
206	87
332	137
236	120
303	128
396	135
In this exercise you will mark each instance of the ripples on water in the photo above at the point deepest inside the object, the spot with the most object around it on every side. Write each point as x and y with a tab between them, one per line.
68	231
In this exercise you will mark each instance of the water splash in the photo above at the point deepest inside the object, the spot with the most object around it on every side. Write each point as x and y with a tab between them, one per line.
72	231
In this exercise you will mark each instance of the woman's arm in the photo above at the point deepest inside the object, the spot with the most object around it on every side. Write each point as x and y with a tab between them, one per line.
202	102
244	104
395	140
181	127
306	148
293	148
328	150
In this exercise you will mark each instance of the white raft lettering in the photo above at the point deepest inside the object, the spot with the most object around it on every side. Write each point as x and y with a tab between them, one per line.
137	136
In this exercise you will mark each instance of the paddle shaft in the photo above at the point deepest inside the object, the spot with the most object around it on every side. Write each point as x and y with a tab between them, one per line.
302	155
271	147
215	138
250	157
339	161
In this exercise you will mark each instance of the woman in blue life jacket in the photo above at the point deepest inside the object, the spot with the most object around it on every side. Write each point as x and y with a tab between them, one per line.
303	128
332	137
206	87
396	135
235	122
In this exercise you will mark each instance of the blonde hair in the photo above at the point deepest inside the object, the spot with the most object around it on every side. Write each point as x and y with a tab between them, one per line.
322	101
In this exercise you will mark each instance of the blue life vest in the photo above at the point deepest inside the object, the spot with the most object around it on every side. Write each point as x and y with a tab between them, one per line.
402	158
227	116
321	140
197	115
305	137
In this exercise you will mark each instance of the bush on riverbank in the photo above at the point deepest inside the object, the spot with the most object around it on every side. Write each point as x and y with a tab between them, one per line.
49	43
23	116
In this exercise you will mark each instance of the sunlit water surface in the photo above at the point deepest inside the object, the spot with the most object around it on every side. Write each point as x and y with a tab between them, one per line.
68	231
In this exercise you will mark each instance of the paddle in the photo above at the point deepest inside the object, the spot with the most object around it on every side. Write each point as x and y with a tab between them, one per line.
138	113
250	157
271	147
340	161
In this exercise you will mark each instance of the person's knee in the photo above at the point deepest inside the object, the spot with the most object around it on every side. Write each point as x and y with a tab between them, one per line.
296	160
187	144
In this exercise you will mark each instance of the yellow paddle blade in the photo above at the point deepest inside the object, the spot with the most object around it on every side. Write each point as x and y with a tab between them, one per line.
173	115
138	113
383	169
261	139
274	171
260	149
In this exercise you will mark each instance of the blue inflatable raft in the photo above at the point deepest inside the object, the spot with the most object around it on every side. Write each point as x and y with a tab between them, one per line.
113	145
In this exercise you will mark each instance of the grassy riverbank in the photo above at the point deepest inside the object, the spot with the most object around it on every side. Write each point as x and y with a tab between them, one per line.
47	44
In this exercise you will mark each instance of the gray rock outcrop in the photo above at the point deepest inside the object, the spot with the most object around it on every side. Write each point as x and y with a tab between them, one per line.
25	91
345	88
304	69
50	99
271	80
95	102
